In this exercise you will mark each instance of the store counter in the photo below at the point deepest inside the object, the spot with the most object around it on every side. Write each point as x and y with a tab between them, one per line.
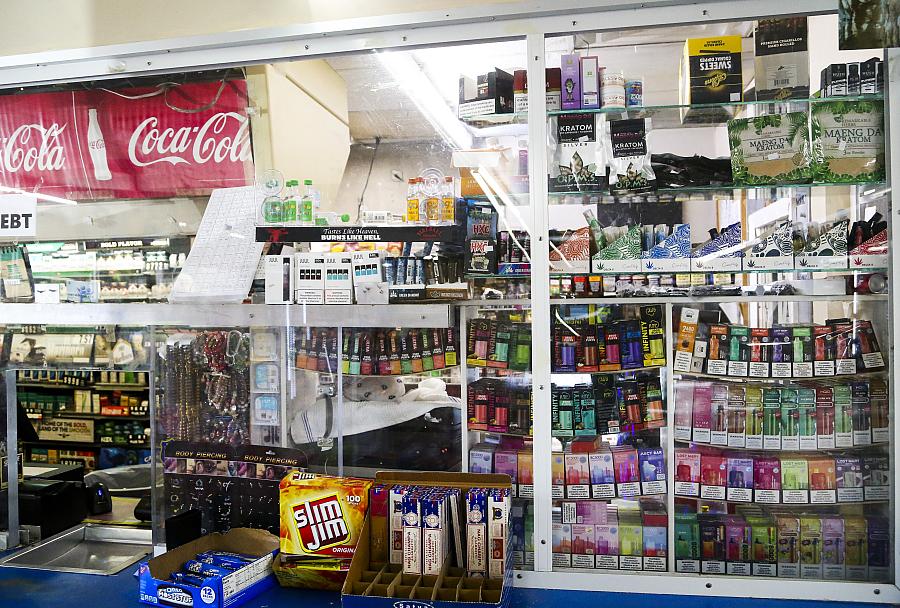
40	589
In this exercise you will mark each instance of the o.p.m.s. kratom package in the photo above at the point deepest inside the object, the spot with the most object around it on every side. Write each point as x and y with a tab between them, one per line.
576	159
321	522
628	155
772	149
848	141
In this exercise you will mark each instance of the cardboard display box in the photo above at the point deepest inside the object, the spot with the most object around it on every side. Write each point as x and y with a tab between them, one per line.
217	591
376	584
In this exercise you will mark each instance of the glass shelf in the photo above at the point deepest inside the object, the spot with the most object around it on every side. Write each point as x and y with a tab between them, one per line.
675	116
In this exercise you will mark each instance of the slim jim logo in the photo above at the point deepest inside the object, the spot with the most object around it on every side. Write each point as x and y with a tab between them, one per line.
224	136
33	147
320	524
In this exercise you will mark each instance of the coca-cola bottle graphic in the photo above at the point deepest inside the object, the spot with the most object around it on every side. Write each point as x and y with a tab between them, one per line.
97	148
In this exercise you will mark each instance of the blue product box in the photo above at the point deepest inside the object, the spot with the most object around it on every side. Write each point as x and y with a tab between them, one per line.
216	591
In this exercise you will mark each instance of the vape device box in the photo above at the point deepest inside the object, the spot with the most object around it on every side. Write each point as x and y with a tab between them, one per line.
879	549
767	480
738	350
591	512
753	435
606	537
338	278
825	426
702	412
836	79
687	543
653	335
490	93
603	479
578	476
760	352
737	547
782	59
655	539
868	71
625	461
794	481
832	548
279	274
590	83
849	479
684	402
788	546
740	479
526	474
506	462
367	267
309	281
822	480
712	544
711	71
876	478
764	538
631	544
687	473
810	547
571	82
855	552
558	475
684	347
584	546
242	585
802	345
562	544
717	353
481	458
653	471
713	472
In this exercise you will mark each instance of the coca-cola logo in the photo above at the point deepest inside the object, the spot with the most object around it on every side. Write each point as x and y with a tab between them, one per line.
33	147
224	137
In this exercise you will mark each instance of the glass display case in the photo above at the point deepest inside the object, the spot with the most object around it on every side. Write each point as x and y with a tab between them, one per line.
644	271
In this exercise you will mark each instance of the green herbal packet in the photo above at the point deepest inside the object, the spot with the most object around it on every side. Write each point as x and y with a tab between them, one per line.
848	141
770	150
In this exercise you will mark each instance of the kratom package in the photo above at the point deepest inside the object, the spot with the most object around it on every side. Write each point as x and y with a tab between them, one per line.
848	141
576	155
772	149
628	155
321	522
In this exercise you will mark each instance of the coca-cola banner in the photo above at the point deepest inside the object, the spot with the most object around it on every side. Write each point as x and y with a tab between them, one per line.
185	141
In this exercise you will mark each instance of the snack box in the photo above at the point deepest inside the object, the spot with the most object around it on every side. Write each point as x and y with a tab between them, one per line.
217	591
372	584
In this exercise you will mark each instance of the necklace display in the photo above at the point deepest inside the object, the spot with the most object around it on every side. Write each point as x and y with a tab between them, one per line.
208	389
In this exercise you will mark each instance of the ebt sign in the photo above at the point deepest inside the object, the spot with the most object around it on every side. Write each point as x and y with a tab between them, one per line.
225	136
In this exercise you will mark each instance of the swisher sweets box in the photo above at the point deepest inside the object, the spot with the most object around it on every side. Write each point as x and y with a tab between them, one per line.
711	70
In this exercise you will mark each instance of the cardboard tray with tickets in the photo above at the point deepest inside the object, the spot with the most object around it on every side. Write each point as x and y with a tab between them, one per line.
212	590
374	582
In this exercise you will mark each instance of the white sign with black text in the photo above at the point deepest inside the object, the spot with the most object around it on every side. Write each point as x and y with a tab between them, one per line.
18	215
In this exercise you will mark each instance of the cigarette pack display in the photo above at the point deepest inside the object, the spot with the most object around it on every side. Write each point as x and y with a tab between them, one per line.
810	547
578	476
788	546
687	473
625	460
653	471
822	481
603	479
794	481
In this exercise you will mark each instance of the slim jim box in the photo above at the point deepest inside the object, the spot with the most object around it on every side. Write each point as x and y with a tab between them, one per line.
373	581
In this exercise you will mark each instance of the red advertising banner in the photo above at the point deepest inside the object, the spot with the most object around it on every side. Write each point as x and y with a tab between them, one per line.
183	141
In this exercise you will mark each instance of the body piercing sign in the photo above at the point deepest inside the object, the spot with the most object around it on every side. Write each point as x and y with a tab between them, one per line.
18	216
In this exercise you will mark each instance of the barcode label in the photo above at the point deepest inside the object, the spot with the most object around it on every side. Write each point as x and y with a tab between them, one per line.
782	82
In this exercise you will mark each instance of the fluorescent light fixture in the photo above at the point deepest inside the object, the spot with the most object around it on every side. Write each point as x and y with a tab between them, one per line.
41	197
419	88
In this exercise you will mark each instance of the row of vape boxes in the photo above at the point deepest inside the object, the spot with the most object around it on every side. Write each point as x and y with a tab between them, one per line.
377	352
593	534
790	479
856	78
782	418
81	378
591	339
517	462
342	278
495	406
498	344
424	523
607	405
840	347
813	546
